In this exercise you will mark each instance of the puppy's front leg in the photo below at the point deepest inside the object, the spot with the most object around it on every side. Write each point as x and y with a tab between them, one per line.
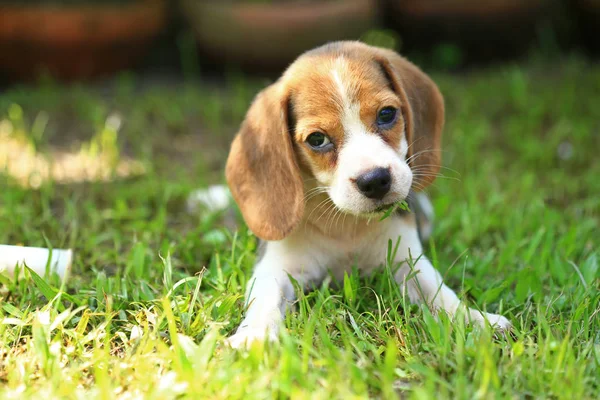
423	283
268	293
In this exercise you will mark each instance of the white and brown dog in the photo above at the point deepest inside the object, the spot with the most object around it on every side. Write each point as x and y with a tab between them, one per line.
348	131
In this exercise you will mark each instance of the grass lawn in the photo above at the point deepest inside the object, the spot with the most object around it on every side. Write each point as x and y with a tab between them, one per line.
155	289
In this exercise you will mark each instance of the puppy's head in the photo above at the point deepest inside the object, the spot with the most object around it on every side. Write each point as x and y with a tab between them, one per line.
359	123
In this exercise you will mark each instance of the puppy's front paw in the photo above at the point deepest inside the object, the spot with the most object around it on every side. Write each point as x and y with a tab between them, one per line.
498	322
243	338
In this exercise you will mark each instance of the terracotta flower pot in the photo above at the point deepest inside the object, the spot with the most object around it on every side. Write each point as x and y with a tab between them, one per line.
485	29
270	36
76	42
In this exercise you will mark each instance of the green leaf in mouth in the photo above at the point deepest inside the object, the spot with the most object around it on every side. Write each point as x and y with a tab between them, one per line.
401	205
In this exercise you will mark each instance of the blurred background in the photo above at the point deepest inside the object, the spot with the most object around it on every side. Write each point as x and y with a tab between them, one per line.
98	90
77	40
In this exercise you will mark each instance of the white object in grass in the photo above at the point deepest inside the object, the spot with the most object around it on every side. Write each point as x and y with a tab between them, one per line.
13	259
213	199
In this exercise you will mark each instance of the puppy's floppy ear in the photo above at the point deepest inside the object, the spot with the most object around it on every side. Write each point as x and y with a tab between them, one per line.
423	111
262	171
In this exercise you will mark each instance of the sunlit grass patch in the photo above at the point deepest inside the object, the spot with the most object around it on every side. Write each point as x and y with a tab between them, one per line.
156	289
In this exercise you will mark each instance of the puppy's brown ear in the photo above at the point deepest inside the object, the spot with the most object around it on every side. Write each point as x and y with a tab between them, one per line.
262	171
423	111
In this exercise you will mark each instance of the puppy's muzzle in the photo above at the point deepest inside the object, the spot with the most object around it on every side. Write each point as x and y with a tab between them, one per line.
375	184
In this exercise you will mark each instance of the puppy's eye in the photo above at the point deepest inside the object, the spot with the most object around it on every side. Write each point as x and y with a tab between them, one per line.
386	116
318	141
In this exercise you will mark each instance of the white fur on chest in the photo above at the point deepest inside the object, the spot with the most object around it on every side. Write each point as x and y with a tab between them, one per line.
311	254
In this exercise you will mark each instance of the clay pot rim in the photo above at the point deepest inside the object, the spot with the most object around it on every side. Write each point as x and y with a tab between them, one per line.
63	24
286	11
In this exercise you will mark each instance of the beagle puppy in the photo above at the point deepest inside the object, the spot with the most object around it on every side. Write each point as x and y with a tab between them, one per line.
348	131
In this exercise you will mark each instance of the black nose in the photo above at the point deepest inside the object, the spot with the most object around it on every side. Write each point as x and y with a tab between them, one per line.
375	183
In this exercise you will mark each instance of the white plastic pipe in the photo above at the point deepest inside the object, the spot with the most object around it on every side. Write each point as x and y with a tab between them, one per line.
12	259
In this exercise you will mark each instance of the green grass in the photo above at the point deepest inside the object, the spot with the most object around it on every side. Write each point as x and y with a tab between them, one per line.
154	290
